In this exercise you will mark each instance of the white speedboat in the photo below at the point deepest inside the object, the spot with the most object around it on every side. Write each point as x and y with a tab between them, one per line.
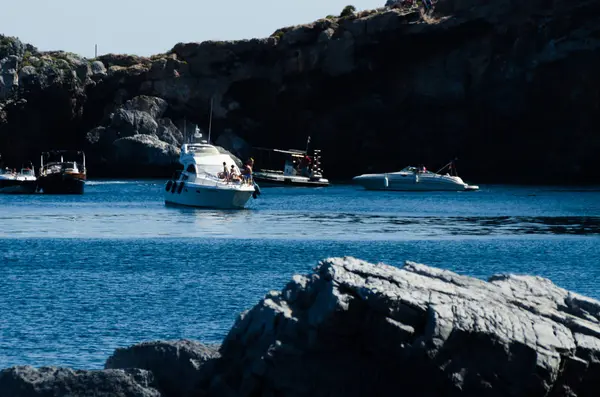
202	182
415	179
22	182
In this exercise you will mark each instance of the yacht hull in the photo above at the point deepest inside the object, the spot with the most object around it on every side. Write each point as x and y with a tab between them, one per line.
17	186
62	183
266	179
201	196
411	183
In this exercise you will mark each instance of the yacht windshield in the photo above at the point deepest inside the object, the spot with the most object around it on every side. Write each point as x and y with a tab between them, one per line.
203	150
210	169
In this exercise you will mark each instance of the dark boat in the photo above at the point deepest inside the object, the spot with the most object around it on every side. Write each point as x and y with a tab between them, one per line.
299	168
61	173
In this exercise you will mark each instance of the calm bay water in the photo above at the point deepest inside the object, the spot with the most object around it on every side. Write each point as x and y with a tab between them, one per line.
82	275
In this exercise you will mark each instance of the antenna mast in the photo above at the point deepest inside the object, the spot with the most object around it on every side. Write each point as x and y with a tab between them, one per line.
210	118
185	130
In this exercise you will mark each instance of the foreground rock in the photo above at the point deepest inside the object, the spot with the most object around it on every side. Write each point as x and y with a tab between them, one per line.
356	329
177	365
352	328
27	381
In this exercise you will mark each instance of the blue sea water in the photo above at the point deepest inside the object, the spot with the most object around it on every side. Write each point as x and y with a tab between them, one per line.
83	275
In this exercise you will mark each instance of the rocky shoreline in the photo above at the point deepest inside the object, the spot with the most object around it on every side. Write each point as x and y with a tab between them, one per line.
508	88
352	328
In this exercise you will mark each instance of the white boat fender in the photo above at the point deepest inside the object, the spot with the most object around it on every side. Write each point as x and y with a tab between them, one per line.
416	178
180	187
386	182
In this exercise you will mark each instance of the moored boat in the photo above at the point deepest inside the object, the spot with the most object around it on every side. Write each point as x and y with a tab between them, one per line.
413	178
23	182
299	168
209	179
62	176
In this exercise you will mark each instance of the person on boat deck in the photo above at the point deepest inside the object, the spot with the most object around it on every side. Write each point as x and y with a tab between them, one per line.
305	166
247	171
233	175
225	173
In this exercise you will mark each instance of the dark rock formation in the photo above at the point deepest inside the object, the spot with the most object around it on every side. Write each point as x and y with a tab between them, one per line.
509	88
353	328
177	365
27	381
356	329
136	137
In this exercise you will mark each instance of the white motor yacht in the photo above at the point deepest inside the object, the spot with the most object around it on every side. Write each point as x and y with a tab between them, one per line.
18	182
415	179
203	183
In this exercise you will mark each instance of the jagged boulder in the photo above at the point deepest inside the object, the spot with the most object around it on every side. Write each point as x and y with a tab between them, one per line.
28	75
27	381
177	365
144	150
9	78
168	132
135	135
131	122
354	329
154	106
98	70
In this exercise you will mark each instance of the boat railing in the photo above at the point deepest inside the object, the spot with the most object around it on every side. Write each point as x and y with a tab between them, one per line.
222	181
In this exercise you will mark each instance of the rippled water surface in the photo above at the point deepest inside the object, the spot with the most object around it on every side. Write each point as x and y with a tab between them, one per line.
82	275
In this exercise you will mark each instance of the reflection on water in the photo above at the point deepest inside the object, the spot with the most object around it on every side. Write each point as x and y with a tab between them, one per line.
83	275
119	209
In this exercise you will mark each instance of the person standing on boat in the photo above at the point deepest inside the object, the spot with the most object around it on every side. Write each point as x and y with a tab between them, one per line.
225	174
247	171
305	166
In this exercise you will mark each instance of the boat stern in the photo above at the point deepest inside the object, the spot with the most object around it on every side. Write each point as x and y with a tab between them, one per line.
371	181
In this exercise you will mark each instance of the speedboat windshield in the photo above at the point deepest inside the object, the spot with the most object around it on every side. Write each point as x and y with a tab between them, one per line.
409	169
416	169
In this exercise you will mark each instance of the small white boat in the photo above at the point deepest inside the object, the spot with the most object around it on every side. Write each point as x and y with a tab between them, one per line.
415	179
23	182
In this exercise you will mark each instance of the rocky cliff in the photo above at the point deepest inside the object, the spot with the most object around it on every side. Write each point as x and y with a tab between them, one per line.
510	88
353	328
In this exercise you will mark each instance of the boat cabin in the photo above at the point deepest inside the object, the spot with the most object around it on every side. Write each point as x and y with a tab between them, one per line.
62	161
206	160
288	162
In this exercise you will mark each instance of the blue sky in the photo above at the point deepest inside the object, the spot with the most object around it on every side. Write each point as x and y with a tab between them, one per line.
146	27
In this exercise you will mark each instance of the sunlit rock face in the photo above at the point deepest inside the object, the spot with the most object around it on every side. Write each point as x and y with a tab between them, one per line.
353	328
